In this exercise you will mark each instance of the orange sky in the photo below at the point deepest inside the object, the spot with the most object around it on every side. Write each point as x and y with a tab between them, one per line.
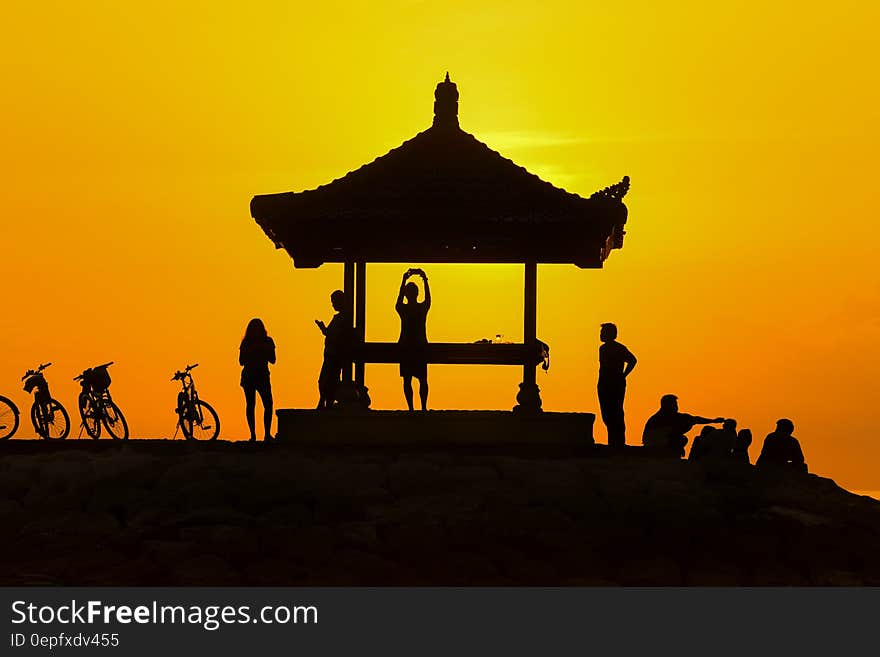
135	136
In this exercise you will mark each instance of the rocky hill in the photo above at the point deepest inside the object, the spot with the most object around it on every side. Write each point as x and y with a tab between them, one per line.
172	513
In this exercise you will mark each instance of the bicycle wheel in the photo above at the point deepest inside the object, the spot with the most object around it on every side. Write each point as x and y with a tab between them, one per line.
50	420
91	417
114	421
8	418
200	422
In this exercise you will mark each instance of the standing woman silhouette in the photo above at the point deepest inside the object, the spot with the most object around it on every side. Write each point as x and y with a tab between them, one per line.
413	339
257	350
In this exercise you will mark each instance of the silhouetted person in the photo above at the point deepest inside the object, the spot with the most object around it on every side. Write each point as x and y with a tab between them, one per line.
337	335
740	452
255	353
715	444
664	431
413	339
701	443
727	438
781	449
615	364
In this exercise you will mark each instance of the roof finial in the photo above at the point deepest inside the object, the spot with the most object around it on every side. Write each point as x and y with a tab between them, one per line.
446	103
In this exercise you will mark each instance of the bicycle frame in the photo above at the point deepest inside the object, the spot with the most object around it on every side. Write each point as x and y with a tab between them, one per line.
98	400
188	398
43	410
96	403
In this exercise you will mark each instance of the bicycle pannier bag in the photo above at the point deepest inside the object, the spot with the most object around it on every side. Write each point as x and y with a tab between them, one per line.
98	378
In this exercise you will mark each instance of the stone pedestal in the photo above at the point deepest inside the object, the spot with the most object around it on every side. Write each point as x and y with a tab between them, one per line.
528	399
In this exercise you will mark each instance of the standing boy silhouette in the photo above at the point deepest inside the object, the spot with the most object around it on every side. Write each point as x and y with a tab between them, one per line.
615	364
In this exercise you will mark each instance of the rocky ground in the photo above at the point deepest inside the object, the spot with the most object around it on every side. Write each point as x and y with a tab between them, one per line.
172	513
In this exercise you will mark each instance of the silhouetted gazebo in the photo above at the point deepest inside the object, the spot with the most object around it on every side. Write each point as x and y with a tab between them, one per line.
445	197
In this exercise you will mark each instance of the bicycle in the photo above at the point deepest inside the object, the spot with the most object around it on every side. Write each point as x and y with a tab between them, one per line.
196	419
8	418
96	406
49	417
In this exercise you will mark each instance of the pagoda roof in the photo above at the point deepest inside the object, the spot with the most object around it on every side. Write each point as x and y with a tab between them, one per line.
443	196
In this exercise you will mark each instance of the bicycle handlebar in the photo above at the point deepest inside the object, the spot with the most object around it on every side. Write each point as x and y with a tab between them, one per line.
179	375
36	371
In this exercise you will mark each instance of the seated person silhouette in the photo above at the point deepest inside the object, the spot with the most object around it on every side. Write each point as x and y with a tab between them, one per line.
715	444
781	449
701	443
664	431
740	451
726	438
337	335
413	339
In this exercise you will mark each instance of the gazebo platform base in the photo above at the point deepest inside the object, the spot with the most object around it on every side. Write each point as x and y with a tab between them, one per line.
434	428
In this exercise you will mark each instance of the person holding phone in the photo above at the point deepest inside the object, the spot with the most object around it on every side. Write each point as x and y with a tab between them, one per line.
337	341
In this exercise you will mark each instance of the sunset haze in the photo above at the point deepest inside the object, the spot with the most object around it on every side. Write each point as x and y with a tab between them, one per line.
135	136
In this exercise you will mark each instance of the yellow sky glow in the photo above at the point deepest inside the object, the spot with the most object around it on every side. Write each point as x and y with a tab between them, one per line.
136	134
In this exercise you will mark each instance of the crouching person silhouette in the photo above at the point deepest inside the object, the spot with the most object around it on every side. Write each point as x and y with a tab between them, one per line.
336	344
413	339
740	451
701	443
716	444
781	450
255	353
664	431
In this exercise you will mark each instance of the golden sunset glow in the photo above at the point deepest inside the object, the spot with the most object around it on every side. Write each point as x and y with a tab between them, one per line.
135	136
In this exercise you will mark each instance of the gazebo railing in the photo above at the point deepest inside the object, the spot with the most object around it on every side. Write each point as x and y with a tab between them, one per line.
451	353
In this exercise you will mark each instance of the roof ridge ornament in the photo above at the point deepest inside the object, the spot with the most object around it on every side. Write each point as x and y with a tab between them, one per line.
615	192
446	104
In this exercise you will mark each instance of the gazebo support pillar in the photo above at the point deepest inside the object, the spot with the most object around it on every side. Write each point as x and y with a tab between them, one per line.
360	316
348	288
528	398
351	393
